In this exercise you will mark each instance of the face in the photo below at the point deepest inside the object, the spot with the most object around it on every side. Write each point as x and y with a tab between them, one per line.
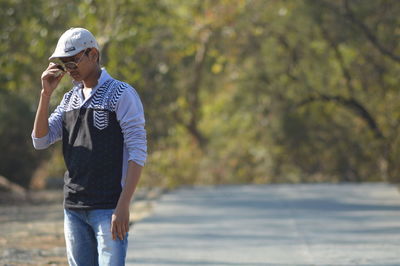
79	65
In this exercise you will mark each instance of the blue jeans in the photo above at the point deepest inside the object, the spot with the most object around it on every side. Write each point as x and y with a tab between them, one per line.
89	240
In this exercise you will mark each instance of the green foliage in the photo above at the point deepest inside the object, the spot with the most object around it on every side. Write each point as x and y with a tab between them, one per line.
18	159
234	91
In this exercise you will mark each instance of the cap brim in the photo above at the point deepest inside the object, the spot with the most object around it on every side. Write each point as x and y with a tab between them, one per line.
60	55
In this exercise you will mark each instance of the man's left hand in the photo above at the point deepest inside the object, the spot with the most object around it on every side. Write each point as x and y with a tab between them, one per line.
120	222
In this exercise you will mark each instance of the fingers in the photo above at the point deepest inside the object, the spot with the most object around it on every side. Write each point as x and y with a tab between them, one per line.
51	78
54	66
118	229
53	70
52	73
113	231
122	229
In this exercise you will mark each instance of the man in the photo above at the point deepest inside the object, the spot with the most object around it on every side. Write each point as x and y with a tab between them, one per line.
101	124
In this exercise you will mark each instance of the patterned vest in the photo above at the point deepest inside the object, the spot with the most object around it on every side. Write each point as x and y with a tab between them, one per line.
93	148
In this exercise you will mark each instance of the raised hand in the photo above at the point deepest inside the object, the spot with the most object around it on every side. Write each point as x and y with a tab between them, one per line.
51	78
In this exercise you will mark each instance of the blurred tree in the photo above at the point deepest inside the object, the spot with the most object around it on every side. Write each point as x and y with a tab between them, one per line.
234	90
18	159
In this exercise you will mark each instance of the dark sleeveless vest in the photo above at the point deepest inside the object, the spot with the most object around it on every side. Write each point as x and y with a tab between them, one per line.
93	148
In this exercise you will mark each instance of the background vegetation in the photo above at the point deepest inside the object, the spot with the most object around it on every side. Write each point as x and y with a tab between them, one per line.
235	91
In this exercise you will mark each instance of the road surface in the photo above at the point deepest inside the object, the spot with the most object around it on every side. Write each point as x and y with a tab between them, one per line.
271	225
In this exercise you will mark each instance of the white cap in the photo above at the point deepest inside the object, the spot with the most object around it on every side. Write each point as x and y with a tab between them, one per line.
73	41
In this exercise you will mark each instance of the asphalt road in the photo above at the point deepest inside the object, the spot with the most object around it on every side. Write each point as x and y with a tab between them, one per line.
271	225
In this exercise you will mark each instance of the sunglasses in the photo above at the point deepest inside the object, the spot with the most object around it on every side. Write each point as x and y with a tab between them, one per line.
74	63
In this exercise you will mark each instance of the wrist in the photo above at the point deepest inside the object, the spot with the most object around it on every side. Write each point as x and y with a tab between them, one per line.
45	94
123	203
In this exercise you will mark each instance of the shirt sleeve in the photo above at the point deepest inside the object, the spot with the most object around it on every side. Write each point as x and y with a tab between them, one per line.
130	114
55	129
